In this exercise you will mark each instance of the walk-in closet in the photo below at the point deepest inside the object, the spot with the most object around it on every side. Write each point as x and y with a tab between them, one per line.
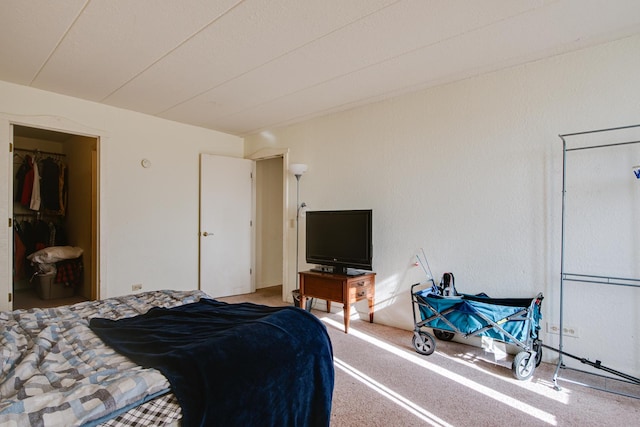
54	217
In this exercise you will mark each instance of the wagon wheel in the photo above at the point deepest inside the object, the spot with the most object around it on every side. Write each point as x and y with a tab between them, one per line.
537	346
443	335
523	366
425	343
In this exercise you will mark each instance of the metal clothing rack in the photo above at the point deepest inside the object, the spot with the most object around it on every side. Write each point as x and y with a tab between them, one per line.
586	278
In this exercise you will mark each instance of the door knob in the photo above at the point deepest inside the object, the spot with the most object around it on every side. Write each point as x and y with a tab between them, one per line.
205	234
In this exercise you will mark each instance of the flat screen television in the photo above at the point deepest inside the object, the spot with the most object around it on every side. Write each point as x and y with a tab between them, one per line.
340	239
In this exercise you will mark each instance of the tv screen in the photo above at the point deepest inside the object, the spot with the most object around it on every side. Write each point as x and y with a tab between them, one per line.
341	239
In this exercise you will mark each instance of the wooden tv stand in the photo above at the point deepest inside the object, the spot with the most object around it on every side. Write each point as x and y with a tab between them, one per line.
338	288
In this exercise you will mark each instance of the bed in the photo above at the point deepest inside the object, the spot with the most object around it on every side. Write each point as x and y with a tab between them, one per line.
182	358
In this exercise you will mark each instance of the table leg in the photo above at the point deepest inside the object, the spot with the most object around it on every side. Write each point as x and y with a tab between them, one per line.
347	316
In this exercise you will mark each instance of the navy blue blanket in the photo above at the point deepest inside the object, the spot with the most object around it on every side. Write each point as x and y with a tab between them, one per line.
233	364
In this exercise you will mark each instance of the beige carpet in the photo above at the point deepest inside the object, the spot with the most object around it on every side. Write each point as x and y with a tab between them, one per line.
28	298
382	381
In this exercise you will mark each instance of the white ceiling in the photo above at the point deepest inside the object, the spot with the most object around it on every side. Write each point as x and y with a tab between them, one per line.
242	66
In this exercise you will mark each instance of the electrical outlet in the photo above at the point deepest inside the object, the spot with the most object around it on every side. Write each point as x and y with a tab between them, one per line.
567	331
136	287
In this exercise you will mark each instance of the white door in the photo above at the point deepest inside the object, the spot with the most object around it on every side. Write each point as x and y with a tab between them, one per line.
226	214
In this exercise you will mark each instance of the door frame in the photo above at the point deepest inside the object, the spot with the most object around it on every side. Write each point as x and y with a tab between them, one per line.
283	153
56	124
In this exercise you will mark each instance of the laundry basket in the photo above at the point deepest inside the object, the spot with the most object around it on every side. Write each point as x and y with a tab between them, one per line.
46	288
58	271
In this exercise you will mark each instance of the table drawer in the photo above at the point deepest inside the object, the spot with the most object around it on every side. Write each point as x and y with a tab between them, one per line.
360	288
360	282
323	288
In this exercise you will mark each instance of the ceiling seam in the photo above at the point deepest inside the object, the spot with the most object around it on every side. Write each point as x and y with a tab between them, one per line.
388	59
505	65
277	57
167	53
64	35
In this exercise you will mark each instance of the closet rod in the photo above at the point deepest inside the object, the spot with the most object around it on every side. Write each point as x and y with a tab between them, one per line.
39	151
36	215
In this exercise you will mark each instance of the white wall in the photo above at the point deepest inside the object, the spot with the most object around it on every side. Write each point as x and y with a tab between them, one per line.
471	172
148	217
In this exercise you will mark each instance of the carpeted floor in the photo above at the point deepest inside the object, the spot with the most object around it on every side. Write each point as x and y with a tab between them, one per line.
382	381
28	298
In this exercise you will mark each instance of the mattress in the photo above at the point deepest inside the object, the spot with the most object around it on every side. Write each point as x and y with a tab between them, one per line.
54	371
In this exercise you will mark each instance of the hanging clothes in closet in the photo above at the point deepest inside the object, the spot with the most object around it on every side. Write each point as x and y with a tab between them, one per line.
19	254
42	184
40	187
32	235
24	177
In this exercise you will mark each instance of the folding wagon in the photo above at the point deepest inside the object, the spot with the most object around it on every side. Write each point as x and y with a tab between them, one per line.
509	320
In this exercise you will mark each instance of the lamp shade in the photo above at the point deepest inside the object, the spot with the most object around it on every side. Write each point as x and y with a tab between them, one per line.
297	168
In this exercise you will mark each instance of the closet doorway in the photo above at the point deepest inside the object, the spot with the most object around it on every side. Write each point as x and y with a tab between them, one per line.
66	215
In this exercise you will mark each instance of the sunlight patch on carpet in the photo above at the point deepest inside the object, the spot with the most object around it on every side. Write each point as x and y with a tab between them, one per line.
539	386
487	391
396	398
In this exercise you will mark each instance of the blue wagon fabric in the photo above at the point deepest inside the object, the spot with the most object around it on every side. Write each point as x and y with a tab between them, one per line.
464	312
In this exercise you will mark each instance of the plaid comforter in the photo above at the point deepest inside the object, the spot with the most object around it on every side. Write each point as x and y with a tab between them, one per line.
54	371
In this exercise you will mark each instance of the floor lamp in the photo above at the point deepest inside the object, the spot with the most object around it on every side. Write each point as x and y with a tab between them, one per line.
297	169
